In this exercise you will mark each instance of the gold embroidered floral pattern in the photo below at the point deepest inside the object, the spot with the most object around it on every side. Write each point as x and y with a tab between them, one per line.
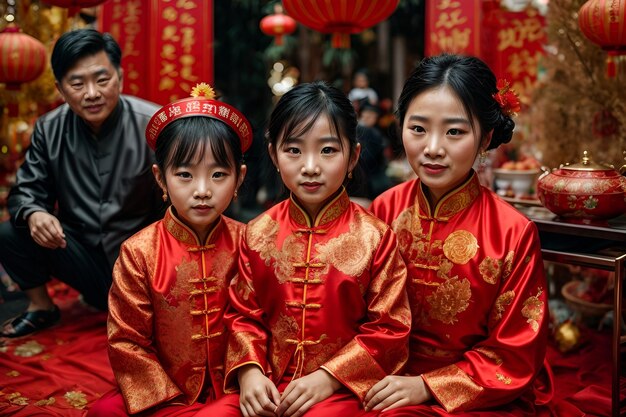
292	252
298	214
42	403
177	230
450	298
76	399
508	265
533	310
334	209
16	399
244	344
262	239
501	303
490	354
327	214
351	252
453	387
13	373
187	270
506	380
317	355
222	262
28	349
460	246
243	287
457	201
408	229
286	327
193	382
490	269
445	266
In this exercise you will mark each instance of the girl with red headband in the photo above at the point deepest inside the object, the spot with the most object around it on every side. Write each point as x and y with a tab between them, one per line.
476	282
166	334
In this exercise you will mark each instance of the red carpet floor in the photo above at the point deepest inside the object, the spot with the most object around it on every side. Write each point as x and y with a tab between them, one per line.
62	370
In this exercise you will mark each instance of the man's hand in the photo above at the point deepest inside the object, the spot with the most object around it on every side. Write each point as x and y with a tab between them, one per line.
303	393
46	230
258	395
396	391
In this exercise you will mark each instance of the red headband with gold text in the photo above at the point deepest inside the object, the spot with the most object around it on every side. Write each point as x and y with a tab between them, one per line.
201	103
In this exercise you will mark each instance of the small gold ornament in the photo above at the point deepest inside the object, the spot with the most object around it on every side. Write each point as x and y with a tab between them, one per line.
203	90
567	336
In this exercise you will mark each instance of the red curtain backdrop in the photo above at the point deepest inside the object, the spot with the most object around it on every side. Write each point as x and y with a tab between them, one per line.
167	45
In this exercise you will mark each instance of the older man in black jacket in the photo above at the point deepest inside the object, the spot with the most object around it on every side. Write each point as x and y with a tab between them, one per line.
85	184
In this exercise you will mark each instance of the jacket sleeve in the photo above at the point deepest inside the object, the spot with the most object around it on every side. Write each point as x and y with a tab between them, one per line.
33	189
248	335
501	367
381	346
138	371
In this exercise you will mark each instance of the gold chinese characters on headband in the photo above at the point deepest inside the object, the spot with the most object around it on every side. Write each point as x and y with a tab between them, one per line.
202	103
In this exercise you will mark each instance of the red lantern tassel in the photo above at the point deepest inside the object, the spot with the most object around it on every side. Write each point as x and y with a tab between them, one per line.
340	40
611	71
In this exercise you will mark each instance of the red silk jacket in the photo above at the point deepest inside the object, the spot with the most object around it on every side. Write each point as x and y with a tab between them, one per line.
319	293
477	289
166	333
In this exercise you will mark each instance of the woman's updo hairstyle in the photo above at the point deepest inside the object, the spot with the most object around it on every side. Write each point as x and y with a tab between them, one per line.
472	81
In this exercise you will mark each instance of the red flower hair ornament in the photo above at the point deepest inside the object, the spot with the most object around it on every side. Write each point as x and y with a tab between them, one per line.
507	98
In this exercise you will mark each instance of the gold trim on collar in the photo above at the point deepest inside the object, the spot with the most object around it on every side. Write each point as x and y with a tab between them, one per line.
453	202
331	211
182	232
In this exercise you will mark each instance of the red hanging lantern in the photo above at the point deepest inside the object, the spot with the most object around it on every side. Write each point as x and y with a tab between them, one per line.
22	57
603	22
341	17
278	25
73	6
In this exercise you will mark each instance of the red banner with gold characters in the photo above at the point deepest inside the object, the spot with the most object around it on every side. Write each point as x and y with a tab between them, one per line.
453	26
511	43
516	41
167	45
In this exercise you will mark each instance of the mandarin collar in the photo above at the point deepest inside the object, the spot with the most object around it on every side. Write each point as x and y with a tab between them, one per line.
455	201
183	233
329	212
109	125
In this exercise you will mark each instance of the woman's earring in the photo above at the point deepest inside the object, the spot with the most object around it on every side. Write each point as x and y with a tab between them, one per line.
164	196
235	196
349	175
278	170
482	158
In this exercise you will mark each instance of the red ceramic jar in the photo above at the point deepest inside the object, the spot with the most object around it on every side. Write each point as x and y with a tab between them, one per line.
585	192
